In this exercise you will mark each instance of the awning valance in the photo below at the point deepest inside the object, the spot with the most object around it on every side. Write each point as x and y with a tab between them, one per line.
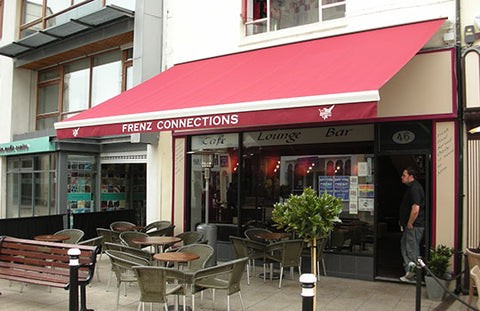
330	79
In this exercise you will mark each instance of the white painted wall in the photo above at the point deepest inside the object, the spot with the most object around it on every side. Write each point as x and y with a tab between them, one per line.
201	29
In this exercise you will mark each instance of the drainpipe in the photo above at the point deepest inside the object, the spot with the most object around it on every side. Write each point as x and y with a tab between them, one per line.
460	97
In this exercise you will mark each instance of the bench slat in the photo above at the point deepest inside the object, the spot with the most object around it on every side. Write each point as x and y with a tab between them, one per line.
43	263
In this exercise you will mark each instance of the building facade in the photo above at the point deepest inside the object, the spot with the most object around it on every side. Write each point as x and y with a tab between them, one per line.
337	95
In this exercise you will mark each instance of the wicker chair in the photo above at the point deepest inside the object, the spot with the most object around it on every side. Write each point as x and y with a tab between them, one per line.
205	252
156	225
225	276
473	260
127	237
122	264
287	253
240	250
115	224
75	235
108	235
167	231
475	277
152	282
251	234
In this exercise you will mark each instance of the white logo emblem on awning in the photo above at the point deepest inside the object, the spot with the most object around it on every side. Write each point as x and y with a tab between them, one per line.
75	132
326	113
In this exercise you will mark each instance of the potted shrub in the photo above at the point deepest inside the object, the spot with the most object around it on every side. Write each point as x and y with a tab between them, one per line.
438	263
309	216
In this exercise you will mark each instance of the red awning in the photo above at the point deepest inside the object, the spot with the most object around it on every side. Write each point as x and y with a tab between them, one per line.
328	79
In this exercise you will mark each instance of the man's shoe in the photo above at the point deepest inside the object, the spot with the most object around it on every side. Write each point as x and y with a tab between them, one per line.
411	271
412	280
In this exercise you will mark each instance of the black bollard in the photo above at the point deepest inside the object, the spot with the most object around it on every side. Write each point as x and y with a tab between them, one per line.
308	281
418	293
74	254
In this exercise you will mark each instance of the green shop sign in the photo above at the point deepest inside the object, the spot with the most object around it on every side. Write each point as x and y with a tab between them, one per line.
34	145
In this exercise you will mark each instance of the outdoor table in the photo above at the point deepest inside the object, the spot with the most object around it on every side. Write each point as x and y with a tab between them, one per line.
157	241
271	237
176	258
52	237
128	228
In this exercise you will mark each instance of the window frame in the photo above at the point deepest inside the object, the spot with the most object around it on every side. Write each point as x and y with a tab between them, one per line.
248	5
43	19
60	114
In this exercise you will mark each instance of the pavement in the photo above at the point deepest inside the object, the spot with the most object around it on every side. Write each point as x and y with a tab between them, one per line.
332	293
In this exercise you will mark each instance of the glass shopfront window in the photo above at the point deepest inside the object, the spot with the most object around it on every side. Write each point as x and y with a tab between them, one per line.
223	181
31	185
275	164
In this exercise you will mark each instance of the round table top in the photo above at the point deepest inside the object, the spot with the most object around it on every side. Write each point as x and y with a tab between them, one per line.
156	240
176	256
128	228
52	237
272	235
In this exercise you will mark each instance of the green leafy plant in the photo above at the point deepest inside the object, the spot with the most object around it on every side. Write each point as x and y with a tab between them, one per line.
439	260
308	215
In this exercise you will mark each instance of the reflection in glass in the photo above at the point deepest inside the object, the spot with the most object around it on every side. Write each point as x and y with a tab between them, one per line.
76	86
32	10
48	99
46	123
41	194
13	192
106	77
26	194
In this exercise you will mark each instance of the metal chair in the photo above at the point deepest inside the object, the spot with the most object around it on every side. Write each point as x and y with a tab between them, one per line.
153	285
287	253
127	236
75	235
156	225
225	276
122	264
115	224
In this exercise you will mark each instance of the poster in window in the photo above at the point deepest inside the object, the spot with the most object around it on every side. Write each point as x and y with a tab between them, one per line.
325	183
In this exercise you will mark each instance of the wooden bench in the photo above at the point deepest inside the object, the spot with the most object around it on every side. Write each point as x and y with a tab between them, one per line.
45	263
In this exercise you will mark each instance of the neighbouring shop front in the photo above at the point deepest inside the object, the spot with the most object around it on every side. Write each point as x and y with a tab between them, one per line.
47	177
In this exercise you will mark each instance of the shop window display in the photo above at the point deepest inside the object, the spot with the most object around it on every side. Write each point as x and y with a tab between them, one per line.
81	183
113	189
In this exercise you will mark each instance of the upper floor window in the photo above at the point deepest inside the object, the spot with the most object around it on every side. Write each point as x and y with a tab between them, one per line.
68	89
41	14
271	15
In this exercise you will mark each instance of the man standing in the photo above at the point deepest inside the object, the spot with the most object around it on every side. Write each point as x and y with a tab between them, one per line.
412	222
